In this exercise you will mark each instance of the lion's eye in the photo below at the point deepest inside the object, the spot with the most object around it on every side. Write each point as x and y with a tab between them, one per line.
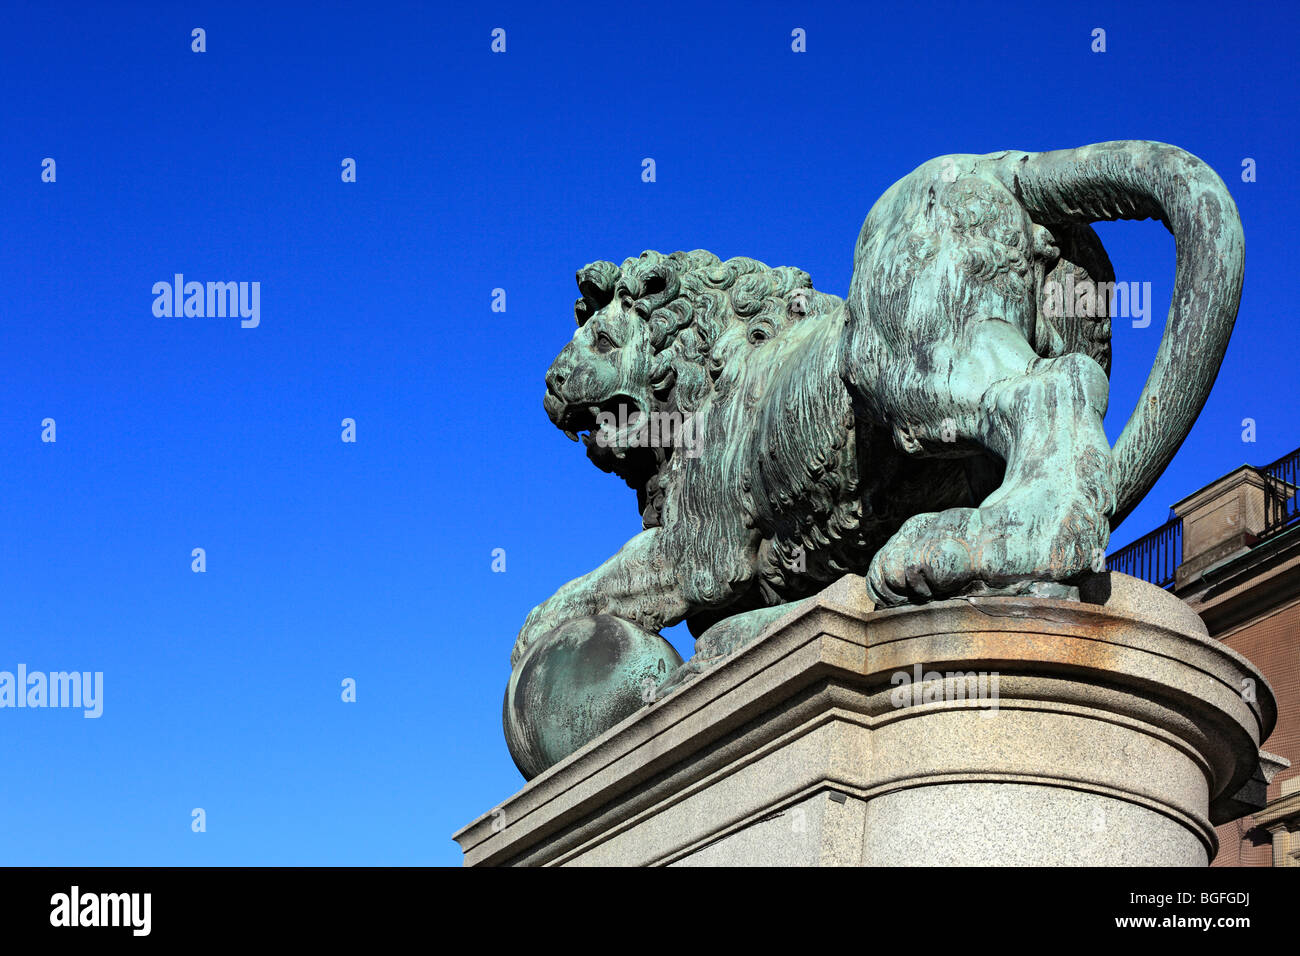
604	343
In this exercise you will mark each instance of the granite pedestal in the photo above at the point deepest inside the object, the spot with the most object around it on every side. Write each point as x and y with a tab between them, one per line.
979	731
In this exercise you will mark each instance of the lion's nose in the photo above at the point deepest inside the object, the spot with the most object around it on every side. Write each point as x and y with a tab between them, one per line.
557	375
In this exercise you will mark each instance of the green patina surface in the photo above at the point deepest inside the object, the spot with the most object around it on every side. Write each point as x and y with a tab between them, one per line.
939	431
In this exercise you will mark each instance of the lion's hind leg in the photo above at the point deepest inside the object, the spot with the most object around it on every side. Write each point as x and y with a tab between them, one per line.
1049	520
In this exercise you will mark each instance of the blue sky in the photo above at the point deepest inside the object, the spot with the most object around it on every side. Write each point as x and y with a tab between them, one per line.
475	170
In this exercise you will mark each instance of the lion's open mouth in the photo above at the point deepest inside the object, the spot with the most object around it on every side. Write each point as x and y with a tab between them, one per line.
604	427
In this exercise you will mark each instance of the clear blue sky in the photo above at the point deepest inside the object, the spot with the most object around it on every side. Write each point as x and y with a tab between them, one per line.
372	560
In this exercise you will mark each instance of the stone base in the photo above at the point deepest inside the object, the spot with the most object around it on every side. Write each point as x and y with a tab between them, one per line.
1109	731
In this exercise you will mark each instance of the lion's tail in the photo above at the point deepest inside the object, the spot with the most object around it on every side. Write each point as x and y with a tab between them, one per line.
1144	180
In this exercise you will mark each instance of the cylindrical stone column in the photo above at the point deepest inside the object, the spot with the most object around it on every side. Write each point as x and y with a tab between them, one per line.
1044	732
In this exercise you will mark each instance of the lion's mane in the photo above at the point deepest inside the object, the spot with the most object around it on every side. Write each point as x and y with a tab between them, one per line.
753	350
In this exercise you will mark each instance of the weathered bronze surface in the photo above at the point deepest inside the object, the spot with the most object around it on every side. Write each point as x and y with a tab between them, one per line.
939	431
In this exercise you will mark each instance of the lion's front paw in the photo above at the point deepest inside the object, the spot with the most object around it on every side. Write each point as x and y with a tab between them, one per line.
929	557
683	674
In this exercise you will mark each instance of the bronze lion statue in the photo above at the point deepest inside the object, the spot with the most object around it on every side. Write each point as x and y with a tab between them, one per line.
939	431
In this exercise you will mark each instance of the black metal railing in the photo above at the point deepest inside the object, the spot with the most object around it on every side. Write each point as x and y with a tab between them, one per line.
1153	557
1281	509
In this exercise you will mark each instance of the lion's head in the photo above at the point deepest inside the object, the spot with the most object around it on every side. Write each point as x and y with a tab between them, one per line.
656	337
